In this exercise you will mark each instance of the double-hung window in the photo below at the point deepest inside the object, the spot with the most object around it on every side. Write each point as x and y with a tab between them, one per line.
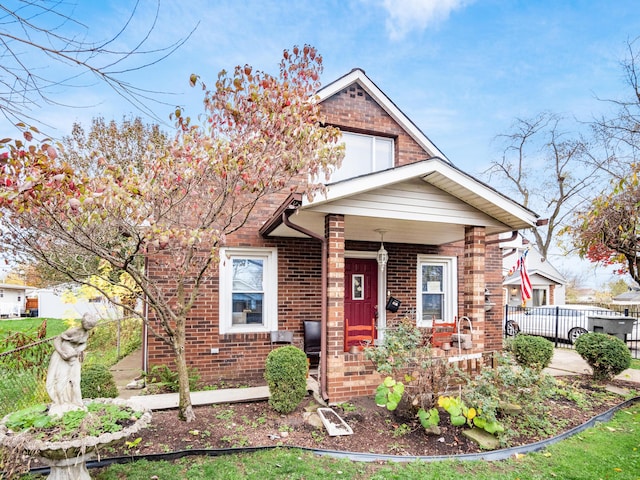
248	290
437	289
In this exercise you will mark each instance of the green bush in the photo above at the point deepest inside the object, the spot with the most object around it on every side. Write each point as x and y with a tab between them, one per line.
286	375
96	381
532	352
606	355
162	379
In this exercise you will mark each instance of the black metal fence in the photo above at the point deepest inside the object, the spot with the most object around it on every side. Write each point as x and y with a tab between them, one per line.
563	324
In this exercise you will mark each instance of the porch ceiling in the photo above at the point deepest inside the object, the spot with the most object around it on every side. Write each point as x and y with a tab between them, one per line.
364	228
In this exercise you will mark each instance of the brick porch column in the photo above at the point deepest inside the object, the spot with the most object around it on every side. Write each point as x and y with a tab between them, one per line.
474	283
334	232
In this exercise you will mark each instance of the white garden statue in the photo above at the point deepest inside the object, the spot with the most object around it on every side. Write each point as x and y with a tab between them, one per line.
67	457
63	376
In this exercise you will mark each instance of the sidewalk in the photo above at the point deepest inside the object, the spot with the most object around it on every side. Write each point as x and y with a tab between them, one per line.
568	362
126	371
129	368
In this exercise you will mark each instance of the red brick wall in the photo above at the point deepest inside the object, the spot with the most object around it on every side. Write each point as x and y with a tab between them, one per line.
493	279
241	357
352	109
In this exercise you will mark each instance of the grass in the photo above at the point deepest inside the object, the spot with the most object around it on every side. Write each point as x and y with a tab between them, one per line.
635	364
30	326
609	450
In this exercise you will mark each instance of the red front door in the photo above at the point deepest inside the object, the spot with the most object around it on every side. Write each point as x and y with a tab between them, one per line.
360	292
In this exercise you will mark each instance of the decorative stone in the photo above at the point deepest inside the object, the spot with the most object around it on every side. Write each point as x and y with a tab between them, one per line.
483	439
313	419
510	408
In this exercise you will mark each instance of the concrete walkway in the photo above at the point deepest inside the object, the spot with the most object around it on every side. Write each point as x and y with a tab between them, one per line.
564	362
127	370
568	362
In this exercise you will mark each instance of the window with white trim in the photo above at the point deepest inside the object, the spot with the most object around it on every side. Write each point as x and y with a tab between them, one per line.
248	290
364	154
437	289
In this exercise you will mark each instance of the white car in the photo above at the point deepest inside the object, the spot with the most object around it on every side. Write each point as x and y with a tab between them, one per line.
566	322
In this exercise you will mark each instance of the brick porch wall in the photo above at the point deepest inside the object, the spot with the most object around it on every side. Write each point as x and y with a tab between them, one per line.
493	280
353	375
348	376
474	284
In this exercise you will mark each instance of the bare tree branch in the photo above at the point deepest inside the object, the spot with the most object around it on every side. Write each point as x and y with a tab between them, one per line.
34	28
548	170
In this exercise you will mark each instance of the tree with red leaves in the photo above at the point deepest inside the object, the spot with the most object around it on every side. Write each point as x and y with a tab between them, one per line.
180	201
608	231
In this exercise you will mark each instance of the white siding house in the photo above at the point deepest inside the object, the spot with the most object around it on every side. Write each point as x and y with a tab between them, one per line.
60	302
548	285
12	299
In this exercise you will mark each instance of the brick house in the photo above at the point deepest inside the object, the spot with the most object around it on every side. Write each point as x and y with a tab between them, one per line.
395	198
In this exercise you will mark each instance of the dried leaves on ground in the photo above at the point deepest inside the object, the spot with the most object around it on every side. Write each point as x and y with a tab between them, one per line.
375	430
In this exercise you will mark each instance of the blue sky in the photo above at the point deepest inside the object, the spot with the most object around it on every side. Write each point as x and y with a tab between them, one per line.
461	70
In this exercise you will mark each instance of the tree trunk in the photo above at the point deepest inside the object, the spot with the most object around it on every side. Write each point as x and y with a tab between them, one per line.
185	409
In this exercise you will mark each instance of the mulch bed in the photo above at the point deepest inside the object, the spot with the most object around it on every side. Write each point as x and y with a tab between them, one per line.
376	430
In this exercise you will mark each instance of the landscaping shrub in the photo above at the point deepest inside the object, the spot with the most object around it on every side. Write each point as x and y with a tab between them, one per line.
606	355
96	381
286	375
532	352
505	388
163	379
405	356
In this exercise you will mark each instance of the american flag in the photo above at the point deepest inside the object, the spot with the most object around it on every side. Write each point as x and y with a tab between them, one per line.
525	281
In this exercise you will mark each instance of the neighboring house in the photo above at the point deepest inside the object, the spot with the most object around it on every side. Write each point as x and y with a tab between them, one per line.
324	260
629	299
548	284
12	299
63	301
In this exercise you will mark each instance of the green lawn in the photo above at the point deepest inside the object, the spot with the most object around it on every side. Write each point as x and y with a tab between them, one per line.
607	451
635	363
30	326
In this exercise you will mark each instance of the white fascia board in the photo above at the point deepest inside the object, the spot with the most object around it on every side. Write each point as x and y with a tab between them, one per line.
481	190
422	170
368	182
358	76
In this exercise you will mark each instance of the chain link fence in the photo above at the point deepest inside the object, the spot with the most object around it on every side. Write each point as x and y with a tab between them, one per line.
23	373
25	359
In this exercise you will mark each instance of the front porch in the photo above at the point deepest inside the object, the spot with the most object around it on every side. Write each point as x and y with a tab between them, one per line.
439	231
350	374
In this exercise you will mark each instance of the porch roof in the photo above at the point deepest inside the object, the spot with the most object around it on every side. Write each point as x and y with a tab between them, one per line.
426	202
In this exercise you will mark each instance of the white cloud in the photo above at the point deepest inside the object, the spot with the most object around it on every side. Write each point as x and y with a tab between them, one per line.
408	15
